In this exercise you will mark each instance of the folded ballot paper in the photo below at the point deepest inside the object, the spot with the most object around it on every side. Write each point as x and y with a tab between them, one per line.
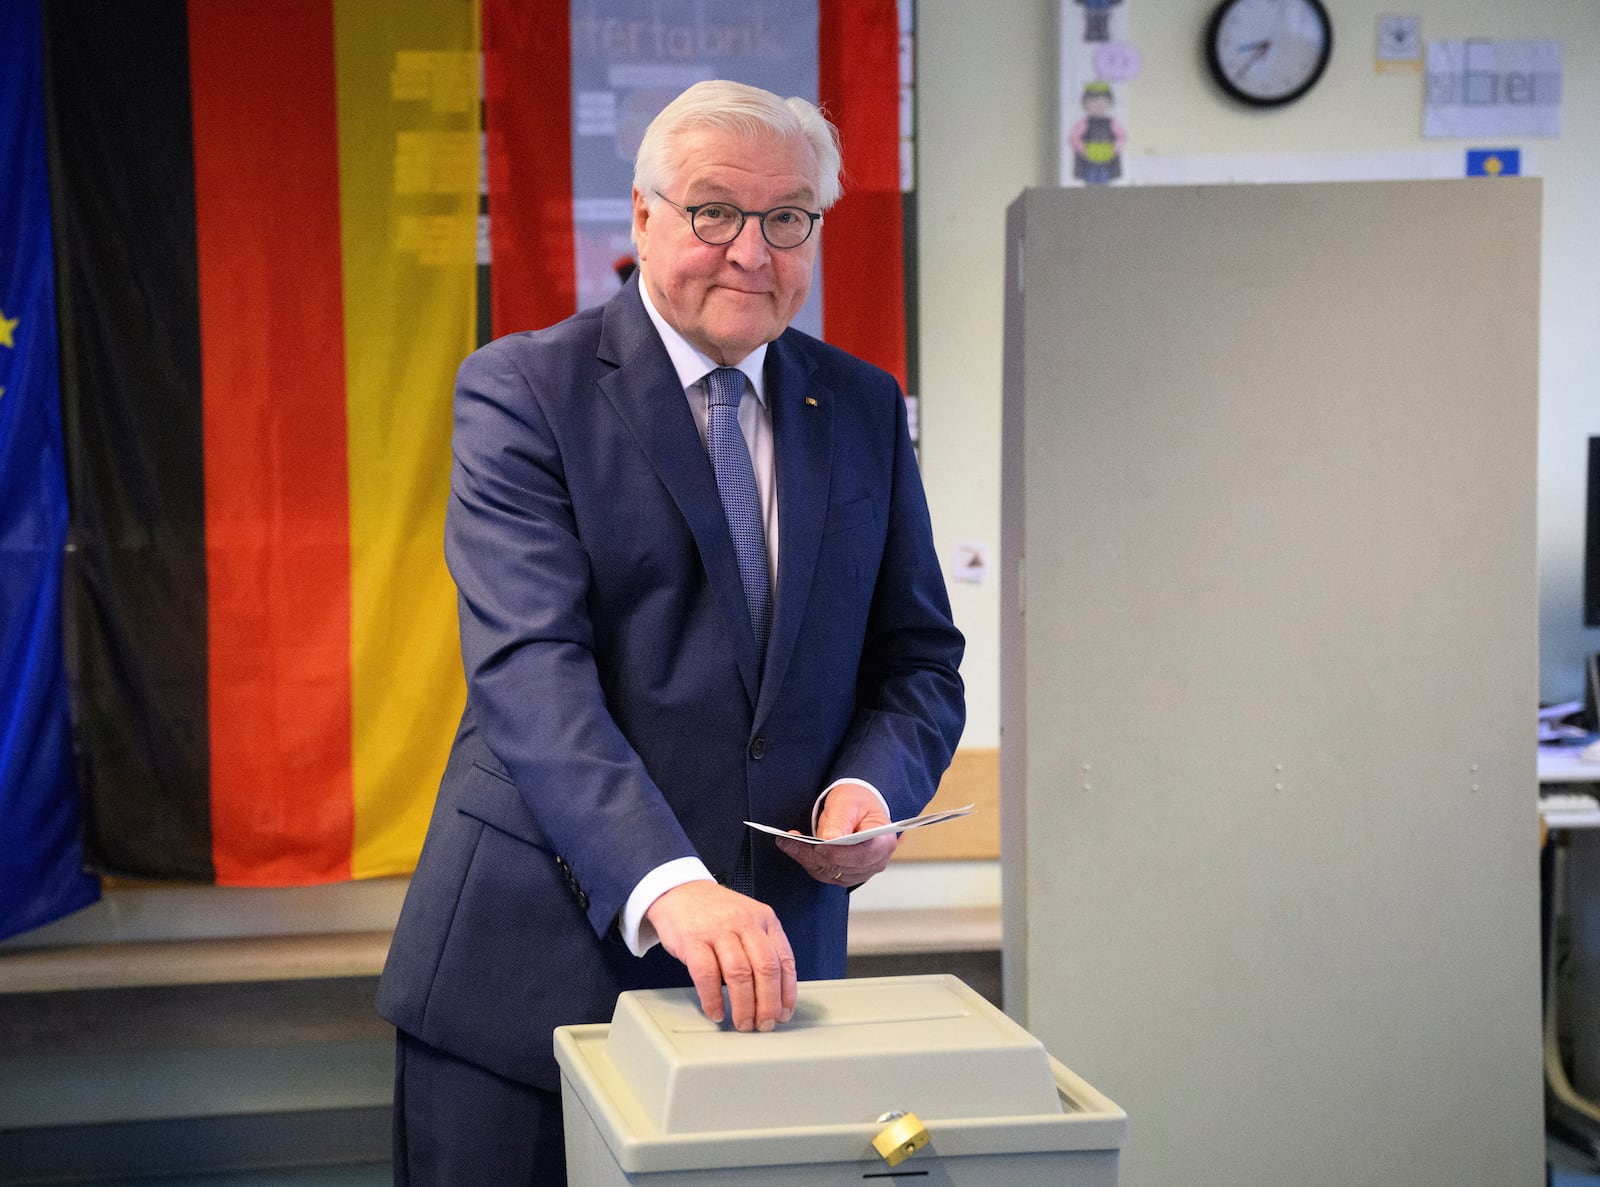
898	826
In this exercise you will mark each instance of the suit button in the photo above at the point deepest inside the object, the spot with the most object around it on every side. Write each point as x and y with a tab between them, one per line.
758	748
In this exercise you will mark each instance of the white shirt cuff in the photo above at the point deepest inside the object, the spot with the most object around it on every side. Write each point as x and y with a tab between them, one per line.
816	808
638	933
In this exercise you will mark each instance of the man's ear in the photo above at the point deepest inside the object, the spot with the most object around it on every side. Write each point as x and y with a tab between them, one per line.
641	216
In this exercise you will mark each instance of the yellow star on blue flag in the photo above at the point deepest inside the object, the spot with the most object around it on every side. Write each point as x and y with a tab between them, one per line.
8	326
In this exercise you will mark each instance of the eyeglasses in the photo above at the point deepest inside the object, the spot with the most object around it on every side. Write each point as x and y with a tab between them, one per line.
718	223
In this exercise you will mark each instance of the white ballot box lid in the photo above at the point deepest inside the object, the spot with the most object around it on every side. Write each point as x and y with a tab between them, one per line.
670	1089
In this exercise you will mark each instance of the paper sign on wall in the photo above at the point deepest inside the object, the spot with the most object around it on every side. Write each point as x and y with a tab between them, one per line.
1493	88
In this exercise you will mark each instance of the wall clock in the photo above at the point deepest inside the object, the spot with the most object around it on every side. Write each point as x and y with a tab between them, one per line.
1268	52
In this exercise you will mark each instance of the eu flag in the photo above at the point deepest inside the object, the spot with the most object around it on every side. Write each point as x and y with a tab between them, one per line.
1494	162
41	864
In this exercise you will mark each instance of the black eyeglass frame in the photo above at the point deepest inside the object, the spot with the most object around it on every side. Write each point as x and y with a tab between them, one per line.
759	215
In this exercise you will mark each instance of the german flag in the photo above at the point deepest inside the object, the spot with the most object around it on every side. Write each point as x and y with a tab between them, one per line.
268	217
268	272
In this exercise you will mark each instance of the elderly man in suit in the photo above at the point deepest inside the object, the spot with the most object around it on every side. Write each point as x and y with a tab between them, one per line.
697	586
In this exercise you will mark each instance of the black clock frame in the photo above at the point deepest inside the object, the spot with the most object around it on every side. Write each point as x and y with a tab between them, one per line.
1220	76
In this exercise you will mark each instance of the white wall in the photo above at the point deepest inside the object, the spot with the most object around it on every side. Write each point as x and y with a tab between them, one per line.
986	122
986	129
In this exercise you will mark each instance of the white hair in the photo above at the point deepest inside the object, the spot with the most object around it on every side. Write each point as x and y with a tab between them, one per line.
745	111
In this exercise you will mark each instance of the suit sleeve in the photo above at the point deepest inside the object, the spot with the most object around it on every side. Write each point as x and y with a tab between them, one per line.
910	705
527	641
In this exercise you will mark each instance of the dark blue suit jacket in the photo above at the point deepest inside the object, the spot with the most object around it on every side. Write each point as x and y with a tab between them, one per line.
615	719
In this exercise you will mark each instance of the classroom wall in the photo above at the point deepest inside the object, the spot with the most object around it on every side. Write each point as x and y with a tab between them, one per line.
986	125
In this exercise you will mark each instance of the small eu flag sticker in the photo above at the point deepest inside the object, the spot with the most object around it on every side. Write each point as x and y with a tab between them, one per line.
1494	162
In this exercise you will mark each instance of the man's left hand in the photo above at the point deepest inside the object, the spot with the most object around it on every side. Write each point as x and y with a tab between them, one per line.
849	808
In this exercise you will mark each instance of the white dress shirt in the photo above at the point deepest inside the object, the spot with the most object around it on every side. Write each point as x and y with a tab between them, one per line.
755	420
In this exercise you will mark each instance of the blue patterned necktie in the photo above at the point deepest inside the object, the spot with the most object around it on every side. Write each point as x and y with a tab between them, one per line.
741	504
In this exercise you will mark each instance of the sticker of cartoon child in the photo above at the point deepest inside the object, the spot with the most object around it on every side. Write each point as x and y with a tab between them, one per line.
1097	139
1097	19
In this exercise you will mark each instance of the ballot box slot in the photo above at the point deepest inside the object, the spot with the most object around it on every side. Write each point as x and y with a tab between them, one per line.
824	1023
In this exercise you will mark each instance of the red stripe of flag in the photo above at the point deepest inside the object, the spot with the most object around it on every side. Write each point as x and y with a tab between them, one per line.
527	77
863	278
272	372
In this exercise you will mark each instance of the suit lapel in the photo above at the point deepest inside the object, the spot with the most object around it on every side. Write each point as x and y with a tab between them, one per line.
644	390
802	451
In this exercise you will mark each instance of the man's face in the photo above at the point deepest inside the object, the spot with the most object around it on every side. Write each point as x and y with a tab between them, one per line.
728	299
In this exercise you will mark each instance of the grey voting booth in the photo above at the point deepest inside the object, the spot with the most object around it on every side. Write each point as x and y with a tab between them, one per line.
886	1079
1269	673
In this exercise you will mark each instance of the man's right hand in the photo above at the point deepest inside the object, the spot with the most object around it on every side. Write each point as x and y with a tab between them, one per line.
725	938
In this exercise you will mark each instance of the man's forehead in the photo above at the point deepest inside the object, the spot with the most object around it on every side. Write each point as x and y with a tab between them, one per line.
713	163
707	188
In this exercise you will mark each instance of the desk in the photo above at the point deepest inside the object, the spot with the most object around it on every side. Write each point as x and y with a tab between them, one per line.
1561	767
1563	764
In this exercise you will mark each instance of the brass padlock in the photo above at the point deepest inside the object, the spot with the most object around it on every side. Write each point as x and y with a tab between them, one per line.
902	1137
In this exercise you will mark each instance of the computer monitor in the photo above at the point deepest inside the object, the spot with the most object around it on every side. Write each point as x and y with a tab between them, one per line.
1591	693
1591	556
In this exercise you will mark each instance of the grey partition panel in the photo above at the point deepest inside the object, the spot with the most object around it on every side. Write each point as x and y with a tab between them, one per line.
1269	670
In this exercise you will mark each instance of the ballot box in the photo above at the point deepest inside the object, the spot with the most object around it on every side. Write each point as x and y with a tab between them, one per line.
873	1079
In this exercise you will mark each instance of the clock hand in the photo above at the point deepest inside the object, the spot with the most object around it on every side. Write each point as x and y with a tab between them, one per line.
1258	50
